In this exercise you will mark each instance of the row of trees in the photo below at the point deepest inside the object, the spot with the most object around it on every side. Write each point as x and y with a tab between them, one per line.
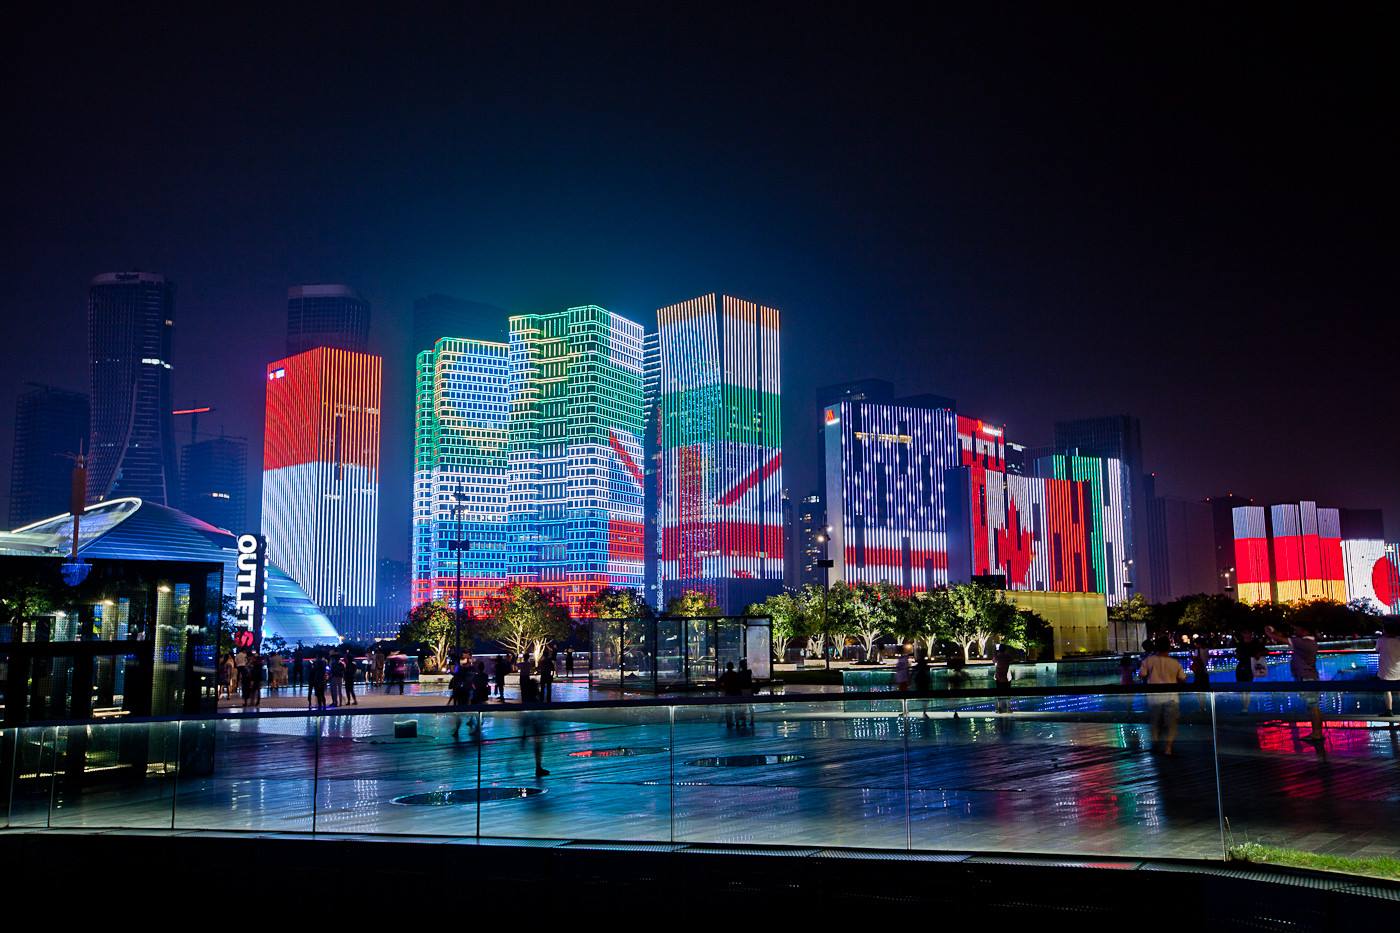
525	620
1217	614
969	615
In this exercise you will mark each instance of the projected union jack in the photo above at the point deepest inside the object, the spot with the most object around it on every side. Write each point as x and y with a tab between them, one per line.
720	508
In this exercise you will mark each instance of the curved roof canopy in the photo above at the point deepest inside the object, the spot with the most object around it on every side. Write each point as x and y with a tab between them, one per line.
133	529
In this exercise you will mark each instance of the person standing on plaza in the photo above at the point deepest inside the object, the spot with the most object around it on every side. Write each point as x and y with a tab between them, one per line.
1388	662
1248	651
901	673
337	676
228	676
395	671
1002	659
376	667
481	685
569	663
315	681
1200	662
546	670
1302	665
502	668
1164	709
298	668
350	697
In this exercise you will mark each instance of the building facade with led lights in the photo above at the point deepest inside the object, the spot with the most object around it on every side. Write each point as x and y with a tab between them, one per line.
131	448
460	484
574	472
320	495
720	523
1297	551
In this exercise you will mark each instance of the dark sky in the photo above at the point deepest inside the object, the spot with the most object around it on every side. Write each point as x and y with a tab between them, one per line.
1189	219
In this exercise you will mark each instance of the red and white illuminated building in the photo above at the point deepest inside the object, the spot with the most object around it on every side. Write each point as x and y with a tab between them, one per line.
320	492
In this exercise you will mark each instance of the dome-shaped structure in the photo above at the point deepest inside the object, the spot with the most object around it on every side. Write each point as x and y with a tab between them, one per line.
133	529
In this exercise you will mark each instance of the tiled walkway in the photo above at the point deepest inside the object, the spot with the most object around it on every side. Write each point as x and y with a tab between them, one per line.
828	774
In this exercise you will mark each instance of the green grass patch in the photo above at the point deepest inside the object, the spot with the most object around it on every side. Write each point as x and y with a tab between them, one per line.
1378	866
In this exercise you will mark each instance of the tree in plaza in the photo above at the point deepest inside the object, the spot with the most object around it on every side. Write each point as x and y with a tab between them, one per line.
788	614
979	613
1329	617
693	604
1135	610
925	619
526	619
808	600
614	602
874	611
1213	614
434	624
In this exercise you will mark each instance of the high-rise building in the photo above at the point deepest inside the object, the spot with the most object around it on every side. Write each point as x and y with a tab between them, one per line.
438	316
720	515
214	482
1109	483
131	451
1180	546
326	316
1118	437
885	497
320	497
460	501
575	452
1294	551
51	427
807	541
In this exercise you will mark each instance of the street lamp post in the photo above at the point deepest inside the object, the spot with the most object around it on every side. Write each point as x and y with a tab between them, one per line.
460	545
826	563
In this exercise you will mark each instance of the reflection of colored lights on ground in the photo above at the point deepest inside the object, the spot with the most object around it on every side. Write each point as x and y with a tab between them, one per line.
618	752
1344	737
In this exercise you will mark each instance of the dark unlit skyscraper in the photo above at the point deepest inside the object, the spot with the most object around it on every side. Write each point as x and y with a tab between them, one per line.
51	425
326	316
131	451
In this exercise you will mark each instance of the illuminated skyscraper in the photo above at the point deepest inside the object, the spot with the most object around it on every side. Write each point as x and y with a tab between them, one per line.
721	524
575	452
1118	437
459	470
320	499
132	450
326	316
651	465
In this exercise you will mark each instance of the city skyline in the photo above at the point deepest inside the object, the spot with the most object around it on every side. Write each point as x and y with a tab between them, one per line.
957	277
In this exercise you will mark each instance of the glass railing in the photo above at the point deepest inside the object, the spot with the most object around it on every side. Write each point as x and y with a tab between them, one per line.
1030	771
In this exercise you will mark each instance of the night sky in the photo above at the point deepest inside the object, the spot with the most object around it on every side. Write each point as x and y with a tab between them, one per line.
1188	219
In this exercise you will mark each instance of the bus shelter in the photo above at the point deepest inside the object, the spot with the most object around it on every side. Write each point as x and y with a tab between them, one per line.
668	653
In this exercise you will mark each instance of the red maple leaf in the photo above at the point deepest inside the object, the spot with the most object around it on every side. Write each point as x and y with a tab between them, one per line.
1015	549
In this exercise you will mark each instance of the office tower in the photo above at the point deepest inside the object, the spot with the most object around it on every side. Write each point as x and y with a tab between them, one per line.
214	482
320	497
721	524
51	427
1109	484
651	466
131	450
438	316
326	316
1118	437
1292	551
885	466
462	407
809	533
1180	548
575	452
